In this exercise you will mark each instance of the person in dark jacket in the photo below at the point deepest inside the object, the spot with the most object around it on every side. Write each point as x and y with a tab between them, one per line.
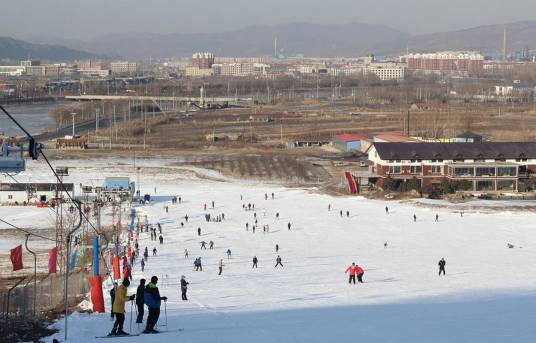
139	301
278	261
441	265
255	261
153	300
112	298
184	287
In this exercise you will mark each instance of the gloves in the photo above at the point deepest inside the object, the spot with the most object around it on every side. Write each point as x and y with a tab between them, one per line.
133	296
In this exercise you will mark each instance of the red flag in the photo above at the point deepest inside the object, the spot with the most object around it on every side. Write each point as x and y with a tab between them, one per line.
115	266
52	260
16	257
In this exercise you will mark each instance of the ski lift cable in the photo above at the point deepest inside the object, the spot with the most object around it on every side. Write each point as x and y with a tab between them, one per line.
31	138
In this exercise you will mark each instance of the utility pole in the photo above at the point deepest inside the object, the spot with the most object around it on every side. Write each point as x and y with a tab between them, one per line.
73	114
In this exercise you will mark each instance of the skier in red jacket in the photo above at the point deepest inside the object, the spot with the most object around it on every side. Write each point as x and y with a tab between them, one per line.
359	272
351	270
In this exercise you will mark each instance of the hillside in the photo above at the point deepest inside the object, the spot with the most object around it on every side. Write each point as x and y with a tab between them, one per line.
17	49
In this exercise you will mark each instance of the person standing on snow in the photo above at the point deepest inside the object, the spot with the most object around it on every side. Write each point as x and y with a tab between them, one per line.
228	253
154	251
142	264
288	225
437	217
359	272
139	301
278	261
255	261
146	254
386	210
220	266
351	270
119	308
441	265
203	245
185	253
211	245
161	239
112	298
153	300
184	287
414	217
199	231
276	248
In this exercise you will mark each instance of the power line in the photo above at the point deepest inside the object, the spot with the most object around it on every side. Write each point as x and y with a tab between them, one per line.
26	231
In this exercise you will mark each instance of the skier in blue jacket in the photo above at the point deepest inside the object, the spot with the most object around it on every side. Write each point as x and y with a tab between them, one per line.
153	300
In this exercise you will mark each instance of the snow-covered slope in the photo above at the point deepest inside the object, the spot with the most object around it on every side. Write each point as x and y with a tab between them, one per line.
488	294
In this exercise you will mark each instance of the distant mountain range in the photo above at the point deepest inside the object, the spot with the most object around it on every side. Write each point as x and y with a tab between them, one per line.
14	49
320	40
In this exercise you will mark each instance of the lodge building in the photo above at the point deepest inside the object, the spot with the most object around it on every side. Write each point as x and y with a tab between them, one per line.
488	166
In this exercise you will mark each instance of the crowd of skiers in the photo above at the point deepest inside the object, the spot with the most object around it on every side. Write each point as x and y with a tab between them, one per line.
148	295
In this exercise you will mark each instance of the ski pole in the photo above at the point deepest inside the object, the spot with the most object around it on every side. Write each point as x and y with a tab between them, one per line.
131	305
165	312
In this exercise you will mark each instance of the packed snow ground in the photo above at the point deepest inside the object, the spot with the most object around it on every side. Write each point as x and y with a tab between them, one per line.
488	294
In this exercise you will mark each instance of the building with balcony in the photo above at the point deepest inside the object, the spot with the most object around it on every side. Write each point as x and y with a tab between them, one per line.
486	167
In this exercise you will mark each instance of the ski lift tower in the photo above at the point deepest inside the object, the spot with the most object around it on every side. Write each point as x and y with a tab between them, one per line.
60	230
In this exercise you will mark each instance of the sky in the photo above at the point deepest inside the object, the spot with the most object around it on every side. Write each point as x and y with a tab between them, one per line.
93	18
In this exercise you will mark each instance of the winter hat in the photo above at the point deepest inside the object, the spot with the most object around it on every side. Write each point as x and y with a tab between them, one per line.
154	279
142	281
126	282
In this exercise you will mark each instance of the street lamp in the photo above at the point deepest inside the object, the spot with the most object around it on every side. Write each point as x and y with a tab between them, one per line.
73	114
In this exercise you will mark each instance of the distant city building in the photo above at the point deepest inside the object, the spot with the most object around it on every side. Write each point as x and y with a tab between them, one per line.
198	72
123	67
203	60
386	70
12	70
448	61
30	63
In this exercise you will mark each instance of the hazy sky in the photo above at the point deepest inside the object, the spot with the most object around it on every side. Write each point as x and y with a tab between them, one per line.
90	18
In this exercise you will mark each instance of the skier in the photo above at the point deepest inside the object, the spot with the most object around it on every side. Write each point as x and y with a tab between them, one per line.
139	301
211	245
185	253
180	200
441	265
228	253
255	260
351	270
265	196
184	287
253	228
153	299
203	245
220	266
277	215
437	217
329	207
154	251
186	218
212	203
199	231
288	226
112	298
414	217
247	226
119	308
167	209
359	272
182	225
161	239
347	214
385	245
278	261
142	265
276	248
205	207
386	210
273	196
340	212
146	254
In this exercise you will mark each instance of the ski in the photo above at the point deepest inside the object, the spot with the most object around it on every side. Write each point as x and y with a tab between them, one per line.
118	336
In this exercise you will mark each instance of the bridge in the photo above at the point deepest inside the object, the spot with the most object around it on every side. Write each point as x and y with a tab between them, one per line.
151	98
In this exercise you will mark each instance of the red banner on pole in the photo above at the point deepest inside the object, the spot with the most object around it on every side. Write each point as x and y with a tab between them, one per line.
97	298
117	274
16	257
52	260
